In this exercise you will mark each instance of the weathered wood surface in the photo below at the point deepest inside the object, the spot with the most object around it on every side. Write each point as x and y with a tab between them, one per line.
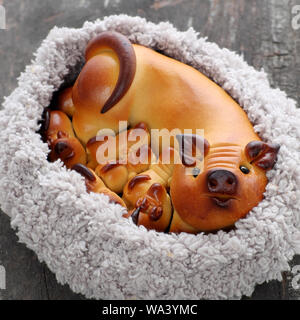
260	30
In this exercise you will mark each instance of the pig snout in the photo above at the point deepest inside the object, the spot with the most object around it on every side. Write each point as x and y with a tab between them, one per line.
222	181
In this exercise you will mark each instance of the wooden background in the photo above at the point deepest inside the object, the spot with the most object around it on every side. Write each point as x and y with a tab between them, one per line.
261	30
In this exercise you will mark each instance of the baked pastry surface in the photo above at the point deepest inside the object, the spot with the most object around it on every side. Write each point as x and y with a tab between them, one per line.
121	81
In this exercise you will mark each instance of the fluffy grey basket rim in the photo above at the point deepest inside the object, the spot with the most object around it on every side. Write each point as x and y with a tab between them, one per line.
104	256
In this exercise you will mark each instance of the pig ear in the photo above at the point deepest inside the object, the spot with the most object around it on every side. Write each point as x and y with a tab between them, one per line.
261	154
191	146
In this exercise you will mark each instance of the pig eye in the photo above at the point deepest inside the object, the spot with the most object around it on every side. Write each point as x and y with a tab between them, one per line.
195	172
244	169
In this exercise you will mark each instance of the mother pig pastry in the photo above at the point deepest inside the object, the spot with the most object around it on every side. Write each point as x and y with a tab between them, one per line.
121	81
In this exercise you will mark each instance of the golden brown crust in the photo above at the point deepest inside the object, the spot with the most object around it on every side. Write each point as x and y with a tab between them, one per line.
69	150
208	210
126	149
95	184
58	122
122	47
114	175
151	91
178	225
153	210
147	199
65	102
62	141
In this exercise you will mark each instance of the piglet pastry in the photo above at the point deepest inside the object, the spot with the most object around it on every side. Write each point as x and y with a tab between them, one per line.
58	133
121	81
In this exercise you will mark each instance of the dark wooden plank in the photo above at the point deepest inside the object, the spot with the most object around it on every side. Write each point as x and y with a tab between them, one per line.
260	30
